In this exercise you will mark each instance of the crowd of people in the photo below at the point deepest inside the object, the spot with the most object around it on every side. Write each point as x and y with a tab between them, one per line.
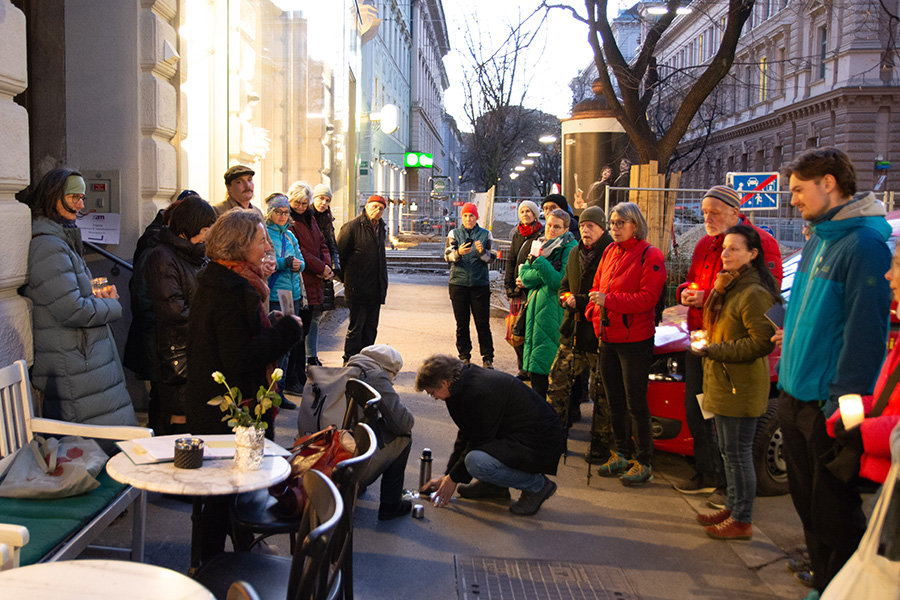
232	288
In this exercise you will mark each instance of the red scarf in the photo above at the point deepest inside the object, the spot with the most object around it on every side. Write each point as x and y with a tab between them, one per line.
527	230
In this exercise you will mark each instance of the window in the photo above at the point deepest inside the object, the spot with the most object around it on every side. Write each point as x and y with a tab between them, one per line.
780	72
701	51
823	47
749	73
763	80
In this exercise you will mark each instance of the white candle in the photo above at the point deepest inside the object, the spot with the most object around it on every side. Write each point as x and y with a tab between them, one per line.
852	413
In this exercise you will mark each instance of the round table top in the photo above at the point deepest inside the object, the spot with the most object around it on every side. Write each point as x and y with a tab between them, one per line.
91	579
217	477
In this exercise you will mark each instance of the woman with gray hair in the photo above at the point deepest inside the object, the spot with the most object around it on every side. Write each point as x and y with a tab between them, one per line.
622	306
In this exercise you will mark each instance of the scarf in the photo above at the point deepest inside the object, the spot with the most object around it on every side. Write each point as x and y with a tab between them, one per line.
585	255
527	230
549	246
253	274
716	298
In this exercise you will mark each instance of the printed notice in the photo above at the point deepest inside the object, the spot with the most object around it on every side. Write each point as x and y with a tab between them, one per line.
99	228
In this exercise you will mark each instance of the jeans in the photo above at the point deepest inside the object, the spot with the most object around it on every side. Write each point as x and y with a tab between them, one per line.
707	458
736	445
477	302
624	369
485	467
363	328
311	325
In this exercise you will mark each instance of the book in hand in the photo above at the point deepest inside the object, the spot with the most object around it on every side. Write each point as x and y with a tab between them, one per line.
776	315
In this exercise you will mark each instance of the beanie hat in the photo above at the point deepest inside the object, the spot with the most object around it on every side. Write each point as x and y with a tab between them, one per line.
469	207
378	199
559	200
236	171
530	206
186	194
386	357
594	214
321	190
725	194
276	201
75	185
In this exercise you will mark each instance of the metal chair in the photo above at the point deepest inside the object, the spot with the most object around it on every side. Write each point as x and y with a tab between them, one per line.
362	404
18	426
305	576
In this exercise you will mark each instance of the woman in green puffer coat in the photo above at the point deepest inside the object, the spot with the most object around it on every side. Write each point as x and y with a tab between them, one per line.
541	275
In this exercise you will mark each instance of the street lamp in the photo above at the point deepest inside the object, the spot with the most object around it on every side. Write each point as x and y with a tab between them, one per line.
534	154
547	139
528	162
519	168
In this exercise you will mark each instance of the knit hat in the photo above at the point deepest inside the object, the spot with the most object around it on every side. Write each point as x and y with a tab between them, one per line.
530	206
725	194
75	185
236	171
276	201
594	214
469	207
559	200
321	190
186	194
378	199
386	357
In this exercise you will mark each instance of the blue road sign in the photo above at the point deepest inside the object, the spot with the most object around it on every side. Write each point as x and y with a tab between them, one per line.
758	190
767	229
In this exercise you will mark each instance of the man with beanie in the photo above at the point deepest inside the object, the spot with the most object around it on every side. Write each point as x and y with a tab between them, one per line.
239	186
361	248
721	211
378	365
578	345
554	201
469	251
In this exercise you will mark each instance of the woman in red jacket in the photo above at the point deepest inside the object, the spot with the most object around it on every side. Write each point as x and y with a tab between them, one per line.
622	306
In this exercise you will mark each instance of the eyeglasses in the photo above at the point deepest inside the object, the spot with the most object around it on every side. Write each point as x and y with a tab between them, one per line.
281	212
618	224
76	197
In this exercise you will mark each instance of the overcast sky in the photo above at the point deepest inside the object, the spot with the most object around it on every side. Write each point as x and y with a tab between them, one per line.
559	51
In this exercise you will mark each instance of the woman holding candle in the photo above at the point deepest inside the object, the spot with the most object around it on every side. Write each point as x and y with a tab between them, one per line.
736	371
528	229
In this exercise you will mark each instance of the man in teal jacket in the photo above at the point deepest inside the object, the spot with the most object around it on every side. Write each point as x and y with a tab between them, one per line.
834	340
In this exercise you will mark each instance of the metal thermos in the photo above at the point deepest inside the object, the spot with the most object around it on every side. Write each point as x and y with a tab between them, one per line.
425	468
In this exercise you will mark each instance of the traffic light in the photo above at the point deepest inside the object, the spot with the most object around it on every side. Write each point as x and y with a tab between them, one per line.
414	160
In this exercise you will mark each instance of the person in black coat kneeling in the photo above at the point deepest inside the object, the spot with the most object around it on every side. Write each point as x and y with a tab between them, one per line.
508	436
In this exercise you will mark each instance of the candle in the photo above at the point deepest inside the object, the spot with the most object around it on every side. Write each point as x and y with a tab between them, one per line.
852	413
693	286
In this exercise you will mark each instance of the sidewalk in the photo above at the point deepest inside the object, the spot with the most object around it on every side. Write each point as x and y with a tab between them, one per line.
648	533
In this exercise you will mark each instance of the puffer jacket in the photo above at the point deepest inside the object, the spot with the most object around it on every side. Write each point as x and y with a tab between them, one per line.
576	329
736	367
632	274
470	270
285	278
544	315
517	257
315	253
76	363
707	262
835	328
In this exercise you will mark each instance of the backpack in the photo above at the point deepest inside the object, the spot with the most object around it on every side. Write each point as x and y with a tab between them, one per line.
324	398
661	301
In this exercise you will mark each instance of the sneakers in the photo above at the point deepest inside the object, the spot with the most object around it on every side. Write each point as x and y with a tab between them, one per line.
713	518
812	595
614	466
729	529
482	490
596	459
529	502
488	363
386	512
716	499
638	474
465	359
695	485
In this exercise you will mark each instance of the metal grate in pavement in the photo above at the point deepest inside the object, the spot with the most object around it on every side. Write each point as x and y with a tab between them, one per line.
486	578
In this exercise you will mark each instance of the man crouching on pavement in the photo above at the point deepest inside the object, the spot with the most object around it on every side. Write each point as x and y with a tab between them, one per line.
508	436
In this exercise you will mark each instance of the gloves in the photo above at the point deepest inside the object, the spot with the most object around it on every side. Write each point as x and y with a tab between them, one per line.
849	438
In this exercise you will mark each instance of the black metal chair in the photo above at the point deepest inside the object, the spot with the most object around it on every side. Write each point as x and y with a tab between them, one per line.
362	399
306	576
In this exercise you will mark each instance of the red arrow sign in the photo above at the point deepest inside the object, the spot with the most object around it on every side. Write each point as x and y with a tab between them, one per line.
758	188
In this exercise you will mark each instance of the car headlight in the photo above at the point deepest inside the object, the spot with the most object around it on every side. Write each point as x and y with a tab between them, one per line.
667	367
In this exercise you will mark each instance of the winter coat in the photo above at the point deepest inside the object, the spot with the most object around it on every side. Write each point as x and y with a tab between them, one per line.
736	366
363	259
517	256
284	278
315	253
576	329
543	315
172	276
498	414
325	220
470	270
707	262
836	325
76	363
876	431
632	274
226	334
140	345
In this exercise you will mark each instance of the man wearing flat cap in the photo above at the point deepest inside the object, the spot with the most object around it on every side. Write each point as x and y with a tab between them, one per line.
239	186
363	259
721	211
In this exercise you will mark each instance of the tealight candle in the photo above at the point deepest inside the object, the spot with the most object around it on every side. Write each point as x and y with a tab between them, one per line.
852	412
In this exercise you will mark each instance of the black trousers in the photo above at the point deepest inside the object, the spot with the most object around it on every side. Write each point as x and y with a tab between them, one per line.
707	458
363	328
624	369
475	301
829	509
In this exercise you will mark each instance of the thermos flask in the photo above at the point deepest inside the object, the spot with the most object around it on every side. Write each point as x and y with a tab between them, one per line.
425	468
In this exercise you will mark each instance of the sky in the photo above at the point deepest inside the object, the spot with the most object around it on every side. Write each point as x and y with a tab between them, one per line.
559	52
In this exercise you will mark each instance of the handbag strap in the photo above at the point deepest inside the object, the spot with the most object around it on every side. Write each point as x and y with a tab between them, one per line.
311	438
886	392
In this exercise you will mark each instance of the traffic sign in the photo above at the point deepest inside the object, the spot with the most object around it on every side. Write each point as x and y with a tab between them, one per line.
759	191
767	229
458	203
438	185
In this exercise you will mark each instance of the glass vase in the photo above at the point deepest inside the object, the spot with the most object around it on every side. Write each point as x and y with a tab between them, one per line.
249	445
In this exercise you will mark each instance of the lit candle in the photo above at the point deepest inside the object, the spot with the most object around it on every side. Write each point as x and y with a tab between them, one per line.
852	413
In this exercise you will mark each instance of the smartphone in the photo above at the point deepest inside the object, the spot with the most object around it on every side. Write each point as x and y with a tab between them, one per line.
776	315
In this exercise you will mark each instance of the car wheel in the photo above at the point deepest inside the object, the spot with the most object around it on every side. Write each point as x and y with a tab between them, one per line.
768	460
